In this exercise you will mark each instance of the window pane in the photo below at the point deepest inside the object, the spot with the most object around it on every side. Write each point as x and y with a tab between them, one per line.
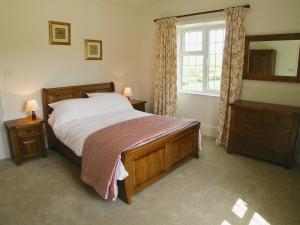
199	60
212	48
199	73
220	35
193	41
215	56
219	48
212	36
192	60
192	73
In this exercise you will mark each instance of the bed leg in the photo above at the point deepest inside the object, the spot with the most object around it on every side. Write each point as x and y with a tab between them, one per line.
196	155
123	194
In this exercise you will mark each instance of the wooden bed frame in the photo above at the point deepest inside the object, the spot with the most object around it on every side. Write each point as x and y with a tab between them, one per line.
145	164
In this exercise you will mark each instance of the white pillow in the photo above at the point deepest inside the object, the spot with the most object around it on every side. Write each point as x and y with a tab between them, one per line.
97	94
67	111
55	104
109	103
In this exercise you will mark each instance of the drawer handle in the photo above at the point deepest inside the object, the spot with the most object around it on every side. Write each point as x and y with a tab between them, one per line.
29	142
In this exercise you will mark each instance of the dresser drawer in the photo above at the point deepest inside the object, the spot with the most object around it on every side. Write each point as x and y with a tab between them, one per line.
272	127
260	147
263	119
28	131
248	115
272	120
258	129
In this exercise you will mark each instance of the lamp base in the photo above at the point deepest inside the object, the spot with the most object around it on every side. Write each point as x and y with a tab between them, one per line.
33	115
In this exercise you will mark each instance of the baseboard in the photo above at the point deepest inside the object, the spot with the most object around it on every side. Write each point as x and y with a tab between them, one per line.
209	130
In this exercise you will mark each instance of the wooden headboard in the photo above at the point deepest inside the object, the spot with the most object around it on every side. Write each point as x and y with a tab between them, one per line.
50	95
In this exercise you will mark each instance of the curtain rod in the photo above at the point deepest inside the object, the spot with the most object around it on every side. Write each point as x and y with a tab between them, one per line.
200	13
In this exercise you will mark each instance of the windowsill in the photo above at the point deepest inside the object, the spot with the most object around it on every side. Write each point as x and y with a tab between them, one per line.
217	95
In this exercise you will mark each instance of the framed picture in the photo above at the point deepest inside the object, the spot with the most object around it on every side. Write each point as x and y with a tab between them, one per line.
59	33
93	49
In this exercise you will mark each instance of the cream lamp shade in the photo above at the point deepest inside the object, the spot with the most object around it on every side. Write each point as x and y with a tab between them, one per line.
31	105
128	92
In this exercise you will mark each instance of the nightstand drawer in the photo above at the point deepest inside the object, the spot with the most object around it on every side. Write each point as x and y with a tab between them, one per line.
140	107
28	131
30	145
138	104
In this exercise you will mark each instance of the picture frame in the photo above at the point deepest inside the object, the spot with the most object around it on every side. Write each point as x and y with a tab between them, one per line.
59	33
93	49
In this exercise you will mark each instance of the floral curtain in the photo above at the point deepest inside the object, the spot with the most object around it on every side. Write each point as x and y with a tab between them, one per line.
165	90
232	69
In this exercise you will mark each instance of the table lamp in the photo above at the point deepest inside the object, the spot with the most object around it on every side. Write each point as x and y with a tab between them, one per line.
128	92
32	106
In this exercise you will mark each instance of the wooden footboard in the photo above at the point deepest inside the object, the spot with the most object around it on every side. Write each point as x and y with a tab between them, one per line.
148	163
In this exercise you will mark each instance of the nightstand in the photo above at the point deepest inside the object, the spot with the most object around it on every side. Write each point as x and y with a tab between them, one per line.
138	104
26	138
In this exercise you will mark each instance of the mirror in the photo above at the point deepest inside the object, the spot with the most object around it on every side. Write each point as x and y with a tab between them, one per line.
272	57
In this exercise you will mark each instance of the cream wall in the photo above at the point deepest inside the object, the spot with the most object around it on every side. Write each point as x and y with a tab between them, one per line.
264	17
28	63
2	145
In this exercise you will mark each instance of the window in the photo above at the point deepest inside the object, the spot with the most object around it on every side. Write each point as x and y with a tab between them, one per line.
200	54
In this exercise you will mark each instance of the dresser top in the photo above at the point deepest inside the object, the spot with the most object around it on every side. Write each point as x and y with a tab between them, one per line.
22	122
261	106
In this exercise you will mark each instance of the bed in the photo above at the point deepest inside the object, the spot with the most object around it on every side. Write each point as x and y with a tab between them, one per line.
145	164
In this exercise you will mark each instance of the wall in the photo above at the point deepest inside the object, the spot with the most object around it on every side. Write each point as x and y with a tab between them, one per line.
2	134
28	63
283	18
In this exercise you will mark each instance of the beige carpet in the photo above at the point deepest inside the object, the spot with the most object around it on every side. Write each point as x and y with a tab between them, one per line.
216	189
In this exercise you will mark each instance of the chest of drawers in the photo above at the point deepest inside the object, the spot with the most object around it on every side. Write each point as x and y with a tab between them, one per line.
264	131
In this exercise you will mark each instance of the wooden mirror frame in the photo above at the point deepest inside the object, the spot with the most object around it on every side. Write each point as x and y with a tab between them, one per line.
273	77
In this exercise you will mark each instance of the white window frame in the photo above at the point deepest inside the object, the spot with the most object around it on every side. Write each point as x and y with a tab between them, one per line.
181	30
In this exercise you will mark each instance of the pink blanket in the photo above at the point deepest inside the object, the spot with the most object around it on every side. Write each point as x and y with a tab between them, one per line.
102	149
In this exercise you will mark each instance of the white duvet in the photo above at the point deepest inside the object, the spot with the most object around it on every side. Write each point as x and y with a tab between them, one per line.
73	120
74	133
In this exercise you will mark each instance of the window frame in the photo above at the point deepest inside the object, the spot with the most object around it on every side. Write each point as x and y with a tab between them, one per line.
204	27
